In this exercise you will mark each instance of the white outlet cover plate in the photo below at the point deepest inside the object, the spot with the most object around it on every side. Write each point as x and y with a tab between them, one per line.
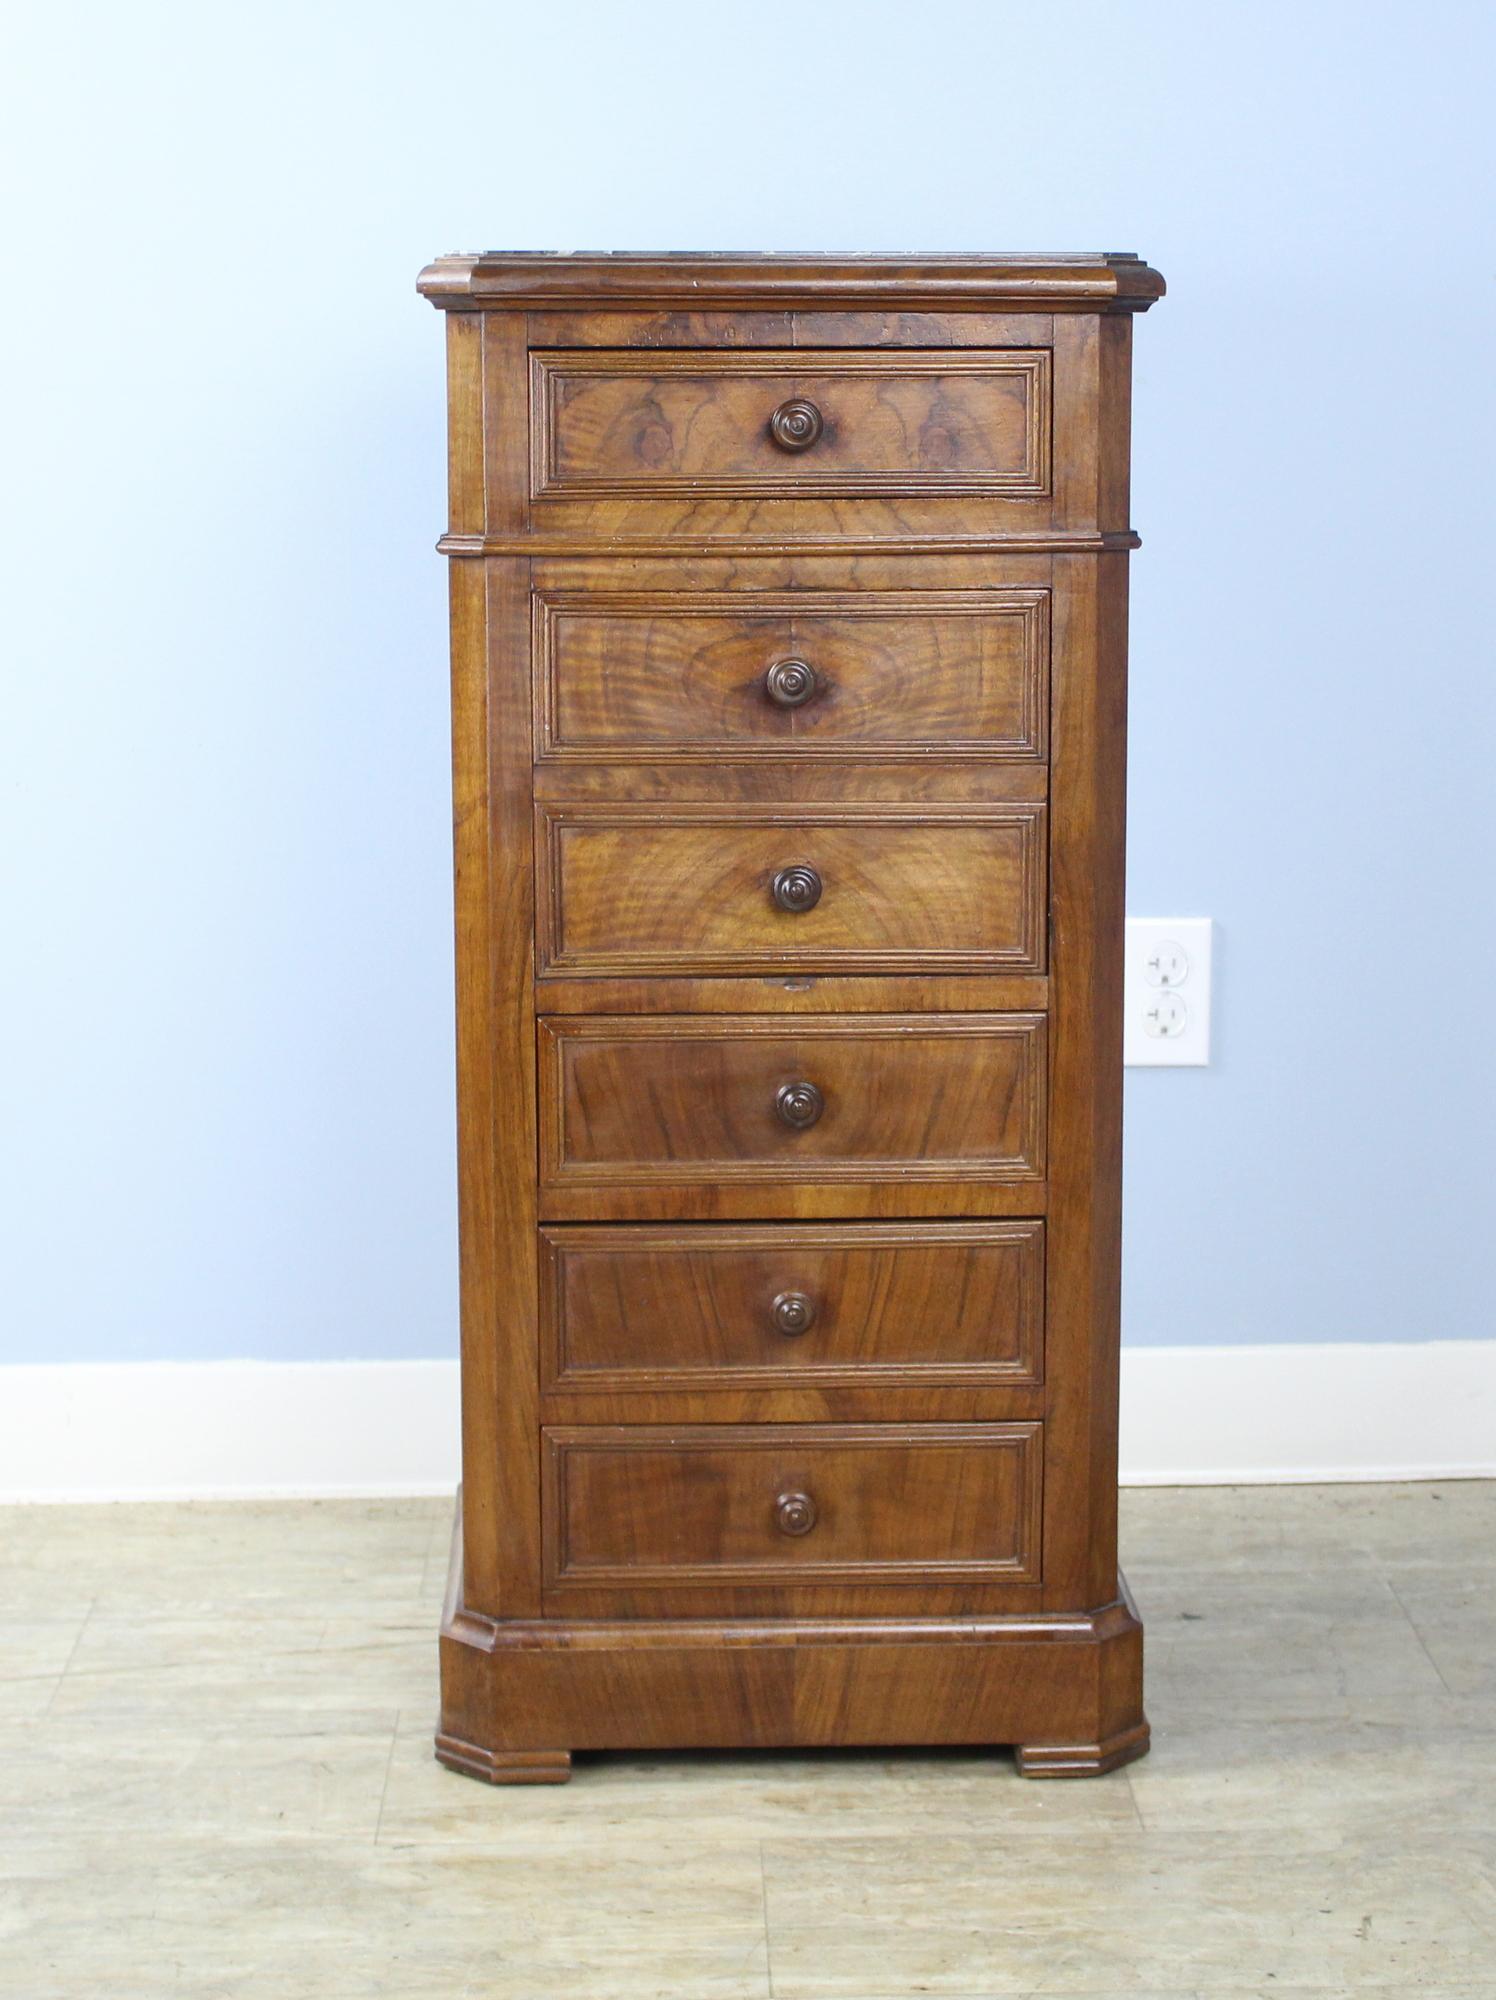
1166	992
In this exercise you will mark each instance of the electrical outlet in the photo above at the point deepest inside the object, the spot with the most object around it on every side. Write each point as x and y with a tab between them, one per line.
1166	991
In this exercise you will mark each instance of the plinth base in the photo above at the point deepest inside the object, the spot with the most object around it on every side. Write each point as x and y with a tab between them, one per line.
1064	1688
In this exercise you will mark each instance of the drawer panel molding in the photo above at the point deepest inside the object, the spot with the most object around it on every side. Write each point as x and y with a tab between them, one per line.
628	889
679	1099
724	1504
790	1305
689	677
719	423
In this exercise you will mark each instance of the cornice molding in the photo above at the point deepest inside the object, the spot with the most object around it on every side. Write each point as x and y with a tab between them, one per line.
1059	542
1093	281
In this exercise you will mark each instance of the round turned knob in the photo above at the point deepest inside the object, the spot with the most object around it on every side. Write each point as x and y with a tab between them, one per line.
799	1104
788	683
794	1312
796	889
794	1513
796	425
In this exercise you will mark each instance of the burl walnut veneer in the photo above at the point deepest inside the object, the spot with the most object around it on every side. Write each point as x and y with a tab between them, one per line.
789	630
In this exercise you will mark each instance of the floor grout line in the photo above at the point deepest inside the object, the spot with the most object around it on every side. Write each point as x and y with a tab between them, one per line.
1413	1626
68	1662
1137	1810
384	1790
763	1877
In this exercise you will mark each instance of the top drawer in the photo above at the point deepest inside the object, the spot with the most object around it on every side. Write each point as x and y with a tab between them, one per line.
887	422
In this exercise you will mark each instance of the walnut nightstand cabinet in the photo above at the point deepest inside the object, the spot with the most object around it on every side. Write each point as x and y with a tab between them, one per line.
789	630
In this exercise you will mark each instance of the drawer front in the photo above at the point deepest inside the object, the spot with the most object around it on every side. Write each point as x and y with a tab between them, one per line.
627	889
728	423
784	1305
791	1503
703	677
738	1098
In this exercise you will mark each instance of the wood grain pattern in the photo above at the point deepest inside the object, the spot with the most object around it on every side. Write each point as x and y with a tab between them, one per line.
957	421
741	577
495	1011
639	1506
899	1305
497	1130
869	1398
625	889
503	1767
811	780
466	513
639	676
690	1099
681	328
872	1192
797	993
1088	861
1083	1303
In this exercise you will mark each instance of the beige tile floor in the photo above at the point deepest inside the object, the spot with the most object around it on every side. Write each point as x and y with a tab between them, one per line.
217	1782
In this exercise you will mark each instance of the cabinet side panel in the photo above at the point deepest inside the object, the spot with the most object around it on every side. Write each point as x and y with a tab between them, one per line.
1093	423
506	424
495	1021
1087	858
1114	466
475	1116
465	423
501	1470
474	997
1077	448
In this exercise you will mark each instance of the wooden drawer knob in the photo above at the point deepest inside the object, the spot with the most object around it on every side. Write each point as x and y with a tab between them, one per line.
796	425
790	683
794	1312
796	889
799	1104
794	1513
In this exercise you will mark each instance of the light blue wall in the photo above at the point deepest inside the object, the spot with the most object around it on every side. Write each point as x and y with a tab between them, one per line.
226	994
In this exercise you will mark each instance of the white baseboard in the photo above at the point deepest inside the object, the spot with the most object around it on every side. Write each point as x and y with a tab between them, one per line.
221	1430
263	1429
1334	1412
